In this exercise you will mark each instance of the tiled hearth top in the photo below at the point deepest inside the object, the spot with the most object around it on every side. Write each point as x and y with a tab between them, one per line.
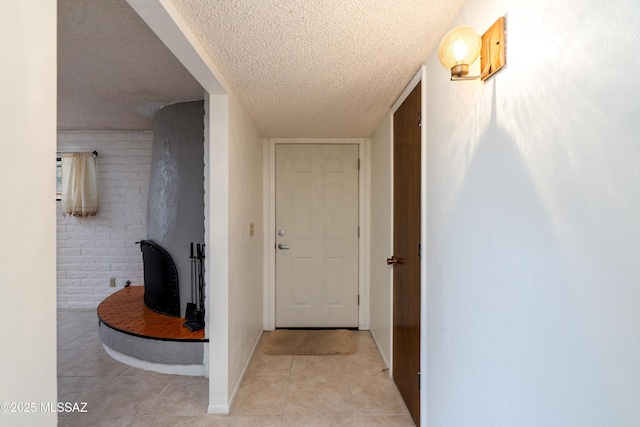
126	312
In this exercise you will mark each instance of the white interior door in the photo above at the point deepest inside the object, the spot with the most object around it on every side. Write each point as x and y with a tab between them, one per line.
316	235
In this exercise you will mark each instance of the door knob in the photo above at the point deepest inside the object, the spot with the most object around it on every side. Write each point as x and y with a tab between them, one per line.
392	261
283	246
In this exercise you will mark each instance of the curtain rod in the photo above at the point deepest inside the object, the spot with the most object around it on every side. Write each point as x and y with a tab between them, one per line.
95	153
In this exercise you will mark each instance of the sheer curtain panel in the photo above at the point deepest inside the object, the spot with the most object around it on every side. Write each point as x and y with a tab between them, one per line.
79	188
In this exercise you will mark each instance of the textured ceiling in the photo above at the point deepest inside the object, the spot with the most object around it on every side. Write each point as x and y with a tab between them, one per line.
329	68
113	72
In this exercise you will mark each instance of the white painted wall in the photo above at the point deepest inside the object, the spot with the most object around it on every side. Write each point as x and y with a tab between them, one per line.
233	183
216	237
381	244
27	217
245	251
93	250
533	223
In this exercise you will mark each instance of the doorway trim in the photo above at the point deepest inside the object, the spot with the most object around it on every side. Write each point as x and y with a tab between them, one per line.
269	209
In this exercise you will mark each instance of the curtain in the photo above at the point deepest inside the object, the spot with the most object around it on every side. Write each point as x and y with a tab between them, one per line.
79	188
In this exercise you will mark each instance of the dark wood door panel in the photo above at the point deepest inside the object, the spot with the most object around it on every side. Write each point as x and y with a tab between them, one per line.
406	244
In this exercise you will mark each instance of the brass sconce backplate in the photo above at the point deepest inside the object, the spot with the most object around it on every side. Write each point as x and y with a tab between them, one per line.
493	48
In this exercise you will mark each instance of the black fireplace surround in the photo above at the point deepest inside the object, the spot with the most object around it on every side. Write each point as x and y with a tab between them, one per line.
161	287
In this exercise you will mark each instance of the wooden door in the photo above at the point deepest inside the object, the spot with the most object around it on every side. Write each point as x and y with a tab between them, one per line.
406	247
316	235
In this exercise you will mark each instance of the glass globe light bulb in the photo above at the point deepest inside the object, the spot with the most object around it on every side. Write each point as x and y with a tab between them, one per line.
458	49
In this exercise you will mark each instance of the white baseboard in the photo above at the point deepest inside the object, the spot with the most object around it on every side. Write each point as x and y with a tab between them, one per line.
218	409
382	356
244	371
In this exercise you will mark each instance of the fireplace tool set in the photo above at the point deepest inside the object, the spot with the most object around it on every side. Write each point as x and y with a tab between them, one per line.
195	309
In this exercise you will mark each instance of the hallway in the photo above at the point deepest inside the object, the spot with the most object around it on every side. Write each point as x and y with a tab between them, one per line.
276	391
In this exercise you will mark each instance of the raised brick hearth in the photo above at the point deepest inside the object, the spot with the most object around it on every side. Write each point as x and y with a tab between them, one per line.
138	336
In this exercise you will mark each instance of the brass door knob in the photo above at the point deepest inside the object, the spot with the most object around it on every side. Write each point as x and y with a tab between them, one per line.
392	261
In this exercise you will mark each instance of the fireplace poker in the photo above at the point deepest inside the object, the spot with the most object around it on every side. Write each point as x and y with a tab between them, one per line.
190	314
200	311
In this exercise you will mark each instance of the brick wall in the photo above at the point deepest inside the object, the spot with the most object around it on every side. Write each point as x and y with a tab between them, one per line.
90	251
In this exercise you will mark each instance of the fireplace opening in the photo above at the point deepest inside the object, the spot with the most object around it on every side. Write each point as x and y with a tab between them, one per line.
161	286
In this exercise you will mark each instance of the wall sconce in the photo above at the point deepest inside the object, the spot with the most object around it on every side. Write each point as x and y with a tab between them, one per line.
461	46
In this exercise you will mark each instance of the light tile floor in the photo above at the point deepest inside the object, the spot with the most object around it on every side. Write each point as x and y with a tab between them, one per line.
276	391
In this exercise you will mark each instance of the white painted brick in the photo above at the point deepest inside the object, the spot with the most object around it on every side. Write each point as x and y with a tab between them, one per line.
71	260
110	243
65	305
106	198
92	250
96	267
126	266
94	285
140	167
135	198
114	258
81	274
73	251
143	152
96	252
122	160
141	218
120	207
102	238
129	175
67	283
86	243
79	289
74	267
118	183
84	298
76	235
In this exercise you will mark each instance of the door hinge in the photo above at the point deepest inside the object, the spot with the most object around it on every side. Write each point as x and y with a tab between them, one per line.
418	380
419	249
358	231
358	164
358	300
419	118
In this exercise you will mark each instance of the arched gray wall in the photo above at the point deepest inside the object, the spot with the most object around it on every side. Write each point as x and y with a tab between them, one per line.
175	209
